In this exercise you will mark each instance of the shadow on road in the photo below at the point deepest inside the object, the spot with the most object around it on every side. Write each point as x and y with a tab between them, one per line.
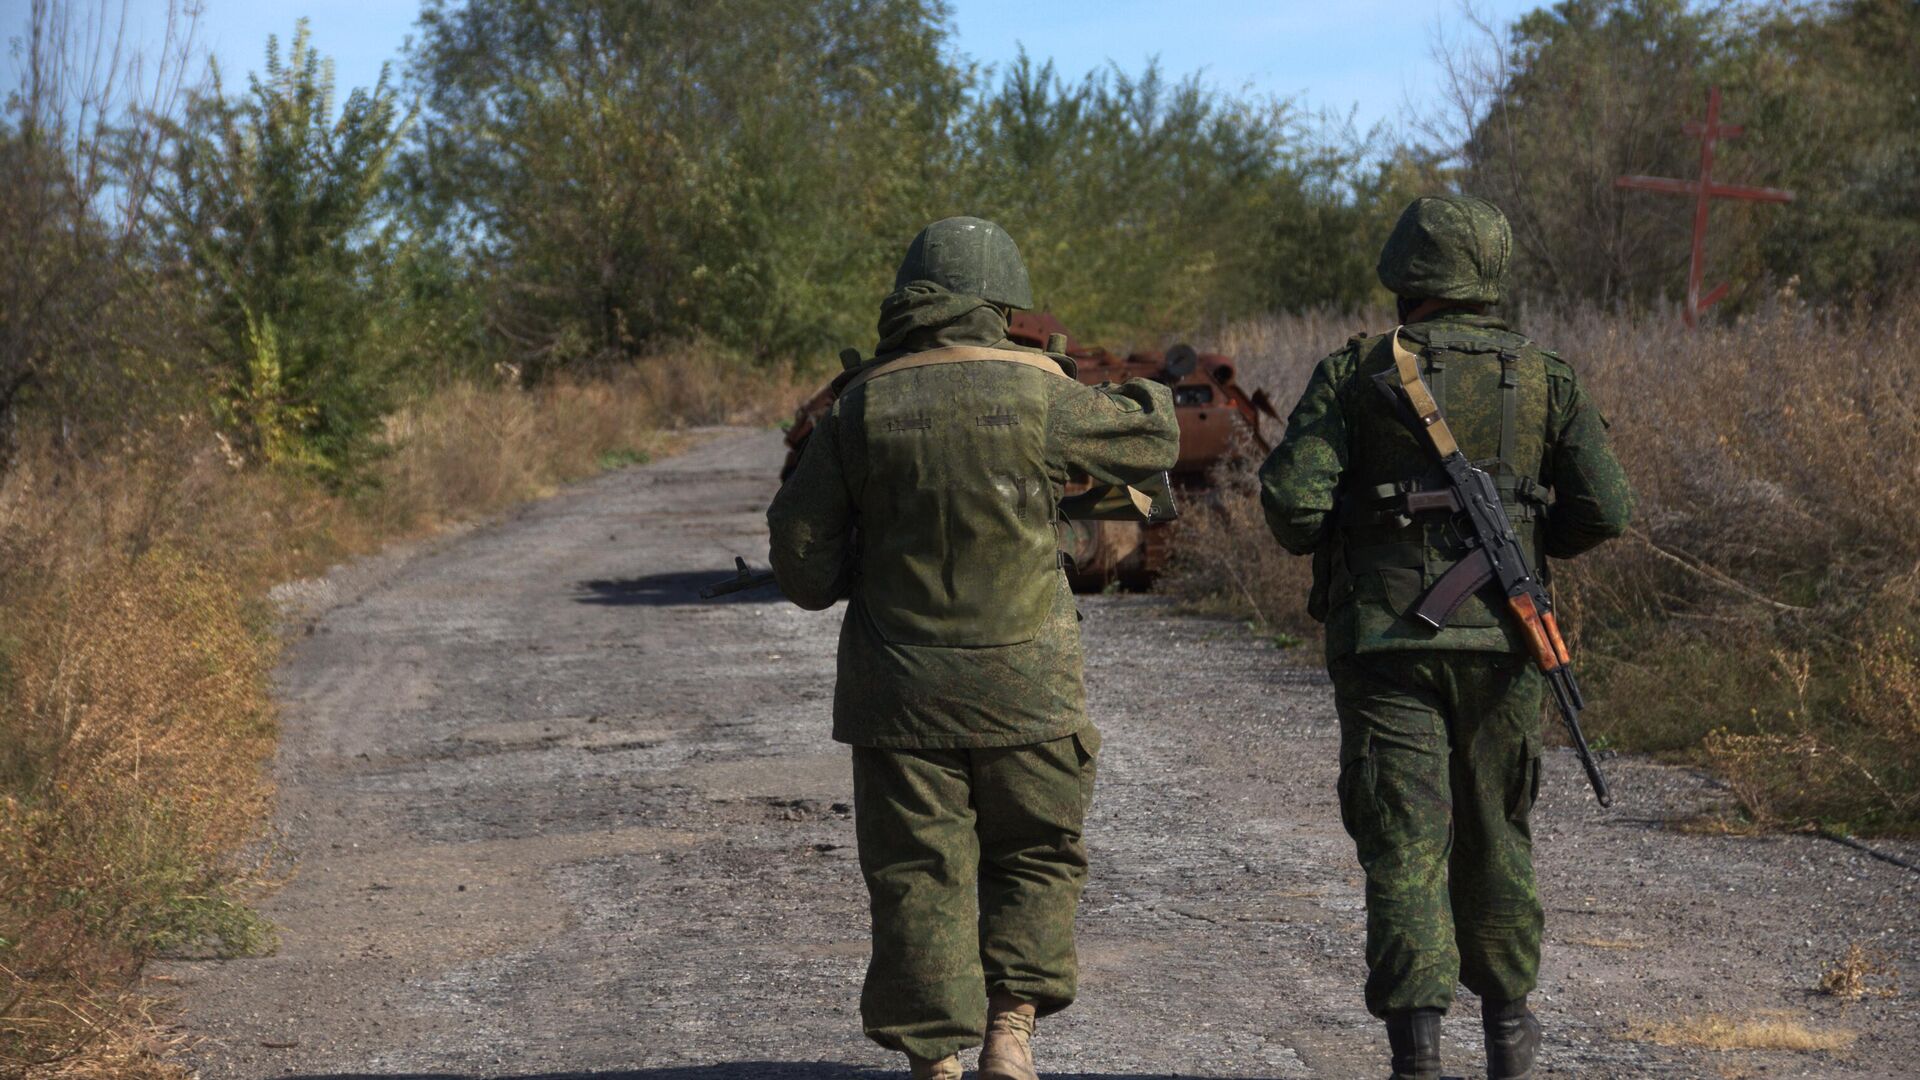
665	590
734	1071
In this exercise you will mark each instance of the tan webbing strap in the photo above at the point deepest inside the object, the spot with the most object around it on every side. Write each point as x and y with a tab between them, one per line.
954	354
1407	366
1121	502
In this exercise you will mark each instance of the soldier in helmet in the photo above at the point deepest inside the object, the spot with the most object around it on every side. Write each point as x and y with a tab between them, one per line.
1440	730
927	498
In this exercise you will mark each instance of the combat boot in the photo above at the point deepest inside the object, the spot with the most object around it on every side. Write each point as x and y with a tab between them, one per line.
1513	1039
1008	1053
1414	1037
946	1068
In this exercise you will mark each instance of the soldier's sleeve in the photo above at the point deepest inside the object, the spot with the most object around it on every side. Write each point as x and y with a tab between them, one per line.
1592	502
811	524
1300	481
1115	434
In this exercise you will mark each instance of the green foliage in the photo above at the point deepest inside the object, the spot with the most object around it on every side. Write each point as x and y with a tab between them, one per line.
1836	100
211	922
622	458
1150	204
1324	236
1139	202
1585	91
626	172
89	347
271	206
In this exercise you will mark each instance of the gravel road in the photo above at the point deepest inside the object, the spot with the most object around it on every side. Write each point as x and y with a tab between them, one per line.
549	815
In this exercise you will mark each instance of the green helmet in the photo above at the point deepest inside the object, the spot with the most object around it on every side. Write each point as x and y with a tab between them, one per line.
1448	247
970	256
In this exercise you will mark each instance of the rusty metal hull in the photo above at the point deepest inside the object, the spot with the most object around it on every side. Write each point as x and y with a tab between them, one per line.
1217	421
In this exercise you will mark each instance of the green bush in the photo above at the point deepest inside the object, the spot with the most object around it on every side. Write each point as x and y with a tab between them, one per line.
270	207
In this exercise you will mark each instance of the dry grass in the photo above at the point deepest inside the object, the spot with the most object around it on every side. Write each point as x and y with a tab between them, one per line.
1763	615
138	721
135	649
1220	573
1716	823
1225	563
1610	944
1861	973
1765	1031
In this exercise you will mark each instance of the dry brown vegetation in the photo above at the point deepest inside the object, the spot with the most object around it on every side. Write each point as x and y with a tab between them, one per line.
135	647
1767	1031
1861	973
1762	615
1226	562
1619	944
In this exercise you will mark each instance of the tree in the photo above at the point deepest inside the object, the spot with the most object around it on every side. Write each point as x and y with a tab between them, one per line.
1143	202
271	203
1545	117
84	336
1576	95
1835	92
625	171
1151	205
1326	234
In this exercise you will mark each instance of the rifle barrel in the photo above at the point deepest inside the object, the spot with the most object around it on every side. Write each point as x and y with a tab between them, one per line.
742	580
1566	695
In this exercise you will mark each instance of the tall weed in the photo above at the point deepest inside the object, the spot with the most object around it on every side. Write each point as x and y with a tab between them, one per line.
136	644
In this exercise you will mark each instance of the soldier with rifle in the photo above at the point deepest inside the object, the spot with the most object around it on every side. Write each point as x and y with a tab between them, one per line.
1430	472
929	498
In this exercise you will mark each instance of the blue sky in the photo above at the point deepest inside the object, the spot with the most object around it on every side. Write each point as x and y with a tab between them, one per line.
1367	55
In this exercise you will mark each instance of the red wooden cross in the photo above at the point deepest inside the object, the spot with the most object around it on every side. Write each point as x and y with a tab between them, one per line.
1704	190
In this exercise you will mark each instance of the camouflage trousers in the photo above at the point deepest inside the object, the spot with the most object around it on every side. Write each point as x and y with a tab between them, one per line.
1439	769
974	864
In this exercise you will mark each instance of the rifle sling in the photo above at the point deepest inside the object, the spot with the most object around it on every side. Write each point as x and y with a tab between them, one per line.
953	354
1407	367
1470	574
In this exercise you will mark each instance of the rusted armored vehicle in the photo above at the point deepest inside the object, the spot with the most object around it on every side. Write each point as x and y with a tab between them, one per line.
1217	420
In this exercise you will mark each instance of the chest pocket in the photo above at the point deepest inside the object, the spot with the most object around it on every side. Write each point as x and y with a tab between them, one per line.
957	507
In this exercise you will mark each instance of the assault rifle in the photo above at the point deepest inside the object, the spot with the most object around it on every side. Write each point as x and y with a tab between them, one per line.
1495	555
744	578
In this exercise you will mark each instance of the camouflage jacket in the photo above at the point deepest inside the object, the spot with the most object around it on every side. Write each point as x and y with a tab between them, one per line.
926	497
1334	486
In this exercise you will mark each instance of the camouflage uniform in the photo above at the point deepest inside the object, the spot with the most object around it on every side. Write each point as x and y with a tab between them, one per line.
926	498
1440	730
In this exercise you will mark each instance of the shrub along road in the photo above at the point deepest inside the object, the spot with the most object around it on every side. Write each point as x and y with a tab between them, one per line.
547	813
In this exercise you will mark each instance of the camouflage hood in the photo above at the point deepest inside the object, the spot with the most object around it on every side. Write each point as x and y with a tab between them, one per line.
1448	247
922	315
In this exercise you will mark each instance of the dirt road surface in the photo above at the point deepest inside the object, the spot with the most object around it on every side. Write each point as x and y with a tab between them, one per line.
549	815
